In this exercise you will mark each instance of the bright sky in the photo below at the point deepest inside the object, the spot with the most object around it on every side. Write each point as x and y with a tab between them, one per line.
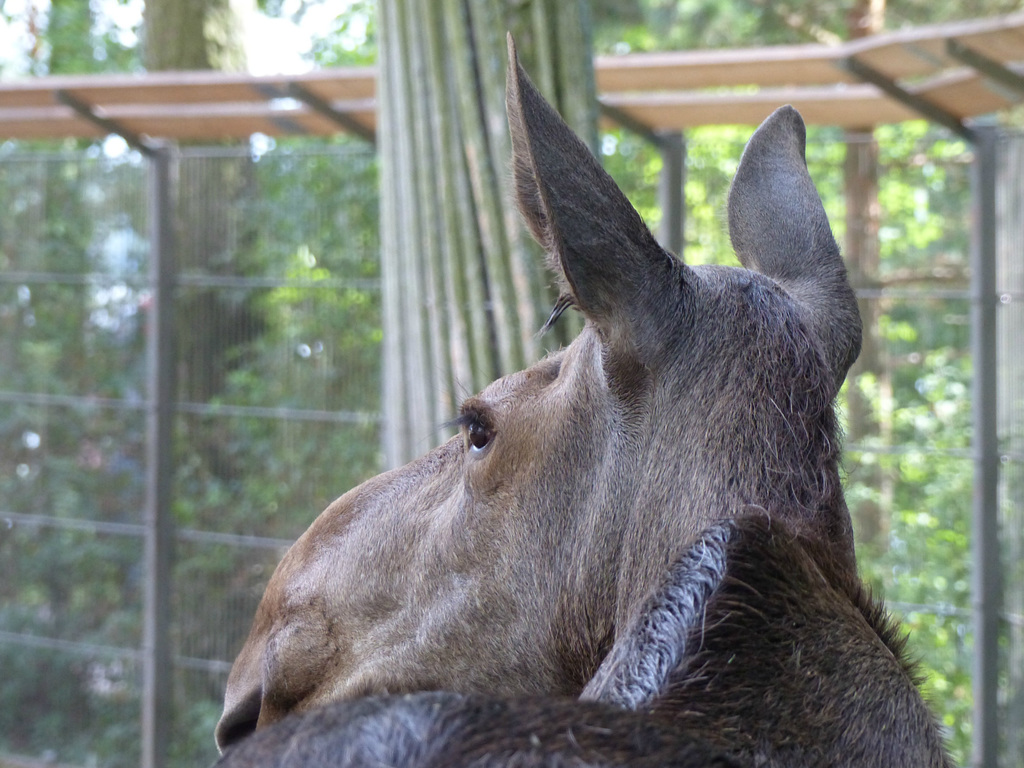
273	45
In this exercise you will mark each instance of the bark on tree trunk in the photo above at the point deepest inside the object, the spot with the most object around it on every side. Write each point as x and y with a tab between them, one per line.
193	34
199	35
464	288
186	34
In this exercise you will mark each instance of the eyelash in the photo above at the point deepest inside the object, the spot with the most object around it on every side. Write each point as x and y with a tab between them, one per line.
476	427
464	419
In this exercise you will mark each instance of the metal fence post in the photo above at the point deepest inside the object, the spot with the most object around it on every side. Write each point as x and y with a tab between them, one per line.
670	191
985	587
156	653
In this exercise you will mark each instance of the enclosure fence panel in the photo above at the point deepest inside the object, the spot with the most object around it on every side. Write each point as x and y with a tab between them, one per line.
278	330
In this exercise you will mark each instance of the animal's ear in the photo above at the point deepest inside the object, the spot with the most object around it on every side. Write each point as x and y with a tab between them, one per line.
609	264
637	670
778	227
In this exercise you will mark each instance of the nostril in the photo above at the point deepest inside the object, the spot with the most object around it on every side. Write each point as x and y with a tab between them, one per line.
240	721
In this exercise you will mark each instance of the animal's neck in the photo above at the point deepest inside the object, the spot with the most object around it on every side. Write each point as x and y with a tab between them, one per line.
783	593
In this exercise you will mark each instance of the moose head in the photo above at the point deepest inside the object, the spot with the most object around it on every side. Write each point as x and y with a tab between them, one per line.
510	559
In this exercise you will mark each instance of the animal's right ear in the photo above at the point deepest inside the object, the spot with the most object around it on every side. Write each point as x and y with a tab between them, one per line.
609	265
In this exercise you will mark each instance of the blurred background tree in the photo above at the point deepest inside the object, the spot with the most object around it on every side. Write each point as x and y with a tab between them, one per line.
463	292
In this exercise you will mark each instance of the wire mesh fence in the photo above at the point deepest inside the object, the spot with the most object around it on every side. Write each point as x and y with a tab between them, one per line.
278	332
277	329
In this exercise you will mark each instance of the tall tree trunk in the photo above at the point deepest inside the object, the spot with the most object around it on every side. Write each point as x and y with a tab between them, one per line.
201	35
189	35
194	34
464	290
866	419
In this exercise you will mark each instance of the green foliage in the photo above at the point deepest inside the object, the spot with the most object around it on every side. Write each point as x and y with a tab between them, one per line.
304	221
647	25
923	570
352	39
62	337
69	707
925	184
70	37
691	25
308	221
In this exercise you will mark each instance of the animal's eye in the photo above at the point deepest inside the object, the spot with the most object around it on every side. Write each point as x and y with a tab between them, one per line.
475	422
479	435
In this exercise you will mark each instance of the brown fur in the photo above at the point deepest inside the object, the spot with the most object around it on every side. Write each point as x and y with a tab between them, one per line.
757	649
513	560
794	664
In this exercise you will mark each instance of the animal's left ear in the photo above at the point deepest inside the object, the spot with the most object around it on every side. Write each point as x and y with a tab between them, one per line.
609	264
778	227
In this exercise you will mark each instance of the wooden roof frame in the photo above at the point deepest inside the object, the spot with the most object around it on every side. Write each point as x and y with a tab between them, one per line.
949	73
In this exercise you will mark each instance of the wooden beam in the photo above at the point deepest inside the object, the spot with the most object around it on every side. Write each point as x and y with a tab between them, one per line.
919	104
348	83
921	51
849	106
325	108
49	122
965	94
625	120
682	70
989	67
89	114
238	121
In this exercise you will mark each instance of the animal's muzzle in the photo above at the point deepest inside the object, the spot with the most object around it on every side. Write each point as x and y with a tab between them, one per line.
240	721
